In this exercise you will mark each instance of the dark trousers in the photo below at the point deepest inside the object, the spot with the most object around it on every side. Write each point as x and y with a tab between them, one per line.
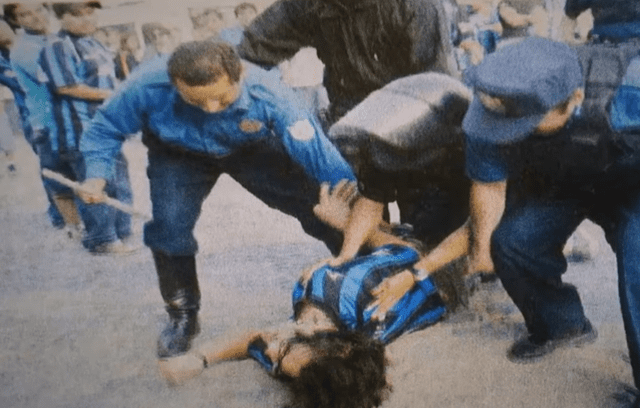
527	253
180	182
102	223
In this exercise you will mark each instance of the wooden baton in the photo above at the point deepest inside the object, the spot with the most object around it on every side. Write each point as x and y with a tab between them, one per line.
77	187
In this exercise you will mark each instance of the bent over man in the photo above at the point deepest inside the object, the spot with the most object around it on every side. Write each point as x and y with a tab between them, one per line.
203	113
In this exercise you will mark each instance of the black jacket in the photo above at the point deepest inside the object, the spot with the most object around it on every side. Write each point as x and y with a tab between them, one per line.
605	11
364	44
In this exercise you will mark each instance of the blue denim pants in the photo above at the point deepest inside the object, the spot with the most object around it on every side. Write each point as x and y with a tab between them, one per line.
102	223
180	181
527	253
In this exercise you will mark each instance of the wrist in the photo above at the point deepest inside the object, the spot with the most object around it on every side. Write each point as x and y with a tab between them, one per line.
419	274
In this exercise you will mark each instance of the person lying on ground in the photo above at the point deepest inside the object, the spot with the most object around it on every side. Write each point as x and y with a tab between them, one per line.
332	354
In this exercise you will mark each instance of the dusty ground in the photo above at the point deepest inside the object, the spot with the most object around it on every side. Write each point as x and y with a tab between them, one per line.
79	331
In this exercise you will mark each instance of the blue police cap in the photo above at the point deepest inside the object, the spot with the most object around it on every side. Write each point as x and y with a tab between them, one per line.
516	86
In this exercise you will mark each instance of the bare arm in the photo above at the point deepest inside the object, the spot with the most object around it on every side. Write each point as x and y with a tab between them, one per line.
487	202
365	217
178	370
84	92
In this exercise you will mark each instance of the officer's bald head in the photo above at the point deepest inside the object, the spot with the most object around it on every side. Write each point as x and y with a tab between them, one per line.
199	63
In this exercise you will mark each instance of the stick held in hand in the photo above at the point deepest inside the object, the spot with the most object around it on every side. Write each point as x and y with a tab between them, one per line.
76	187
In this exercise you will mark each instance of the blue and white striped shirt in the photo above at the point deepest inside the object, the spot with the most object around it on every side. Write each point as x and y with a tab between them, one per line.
69	60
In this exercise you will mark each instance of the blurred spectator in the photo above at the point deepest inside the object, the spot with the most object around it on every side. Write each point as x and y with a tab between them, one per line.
109	37
80	75
522	18
245	13
33	19
8	88
480	31
207	24
160	39
126	57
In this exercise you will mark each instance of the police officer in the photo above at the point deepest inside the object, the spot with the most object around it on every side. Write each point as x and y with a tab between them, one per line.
203	113
524	127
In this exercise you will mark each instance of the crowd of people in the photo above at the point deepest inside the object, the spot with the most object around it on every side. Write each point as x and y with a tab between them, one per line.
495	126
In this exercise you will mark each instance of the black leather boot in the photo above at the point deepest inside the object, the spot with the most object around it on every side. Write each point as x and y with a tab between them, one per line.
181	294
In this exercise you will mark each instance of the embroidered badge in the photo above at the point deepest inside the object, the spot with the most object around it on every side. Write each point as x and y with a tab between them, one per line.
250	125
302	130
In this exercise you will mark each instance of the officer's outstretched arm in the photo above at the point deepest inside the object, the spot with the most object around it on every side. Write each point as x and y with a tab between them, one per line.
487	203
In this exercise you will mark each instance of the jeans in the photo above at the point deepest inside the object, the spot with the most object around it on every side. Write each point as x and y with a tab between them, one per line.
527	254
103	224
180	181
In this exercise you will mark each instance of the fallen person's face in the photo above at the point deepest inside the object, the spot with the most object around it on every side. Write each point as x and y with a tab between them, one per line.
288	355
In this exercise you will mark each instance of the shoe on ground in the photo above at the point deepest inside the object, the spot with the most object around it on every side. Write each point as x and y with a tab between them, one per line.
529	350
116	247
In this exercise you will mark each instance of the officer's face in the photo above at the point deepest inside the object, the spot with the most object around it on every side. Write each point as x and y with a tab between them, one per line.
211	98
33	17
557	118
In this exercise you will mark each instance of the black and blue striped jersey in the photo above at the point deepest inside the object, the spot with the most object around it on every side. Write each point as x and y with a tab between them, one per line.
344	294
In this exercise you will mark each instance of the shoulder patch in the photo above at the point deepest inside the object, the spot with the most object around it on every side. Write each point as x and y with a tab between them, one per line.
250	125
302	130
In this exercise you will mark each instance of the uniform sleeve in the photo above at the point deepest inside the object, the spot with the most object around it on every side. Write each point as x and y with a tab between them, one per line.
307	144
60	65
429	29
277	34
485	162
120	116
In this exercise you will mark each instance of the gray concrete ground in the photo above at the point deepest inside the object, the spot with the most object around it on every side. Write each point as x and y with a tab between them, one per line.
79	331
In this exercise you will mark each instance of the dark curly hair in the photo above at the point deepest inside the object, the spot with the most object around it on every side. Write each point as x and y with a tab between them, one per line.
199	63
348	371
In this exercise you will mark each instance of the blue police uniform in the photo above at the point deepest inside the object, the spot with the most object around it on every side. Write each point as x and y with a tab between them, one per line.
69	60
344	294
549	194
24	60
262	140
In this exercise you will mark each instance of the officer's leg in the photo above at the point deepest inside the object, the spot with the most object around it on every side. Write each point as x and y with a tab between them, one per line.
123	193
627	246
527	254
178	188
269	174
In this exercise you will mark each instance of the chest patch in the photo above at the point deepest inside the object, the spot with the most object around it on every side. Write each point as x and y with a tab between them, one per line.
302	130
251	126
